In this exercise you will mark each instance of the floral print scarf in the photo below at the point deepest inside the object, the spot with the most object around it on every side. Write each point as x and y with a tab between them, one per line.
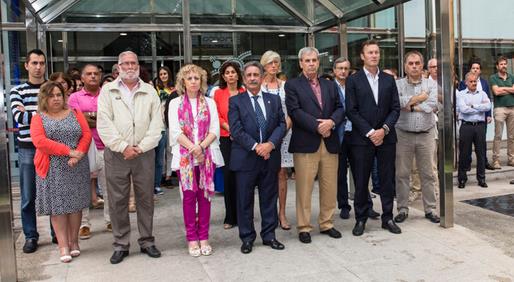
187	160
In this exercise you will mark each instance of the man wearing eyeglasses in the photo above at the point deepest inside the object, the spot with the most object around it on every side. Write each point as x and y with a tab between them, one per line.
416	131
130	124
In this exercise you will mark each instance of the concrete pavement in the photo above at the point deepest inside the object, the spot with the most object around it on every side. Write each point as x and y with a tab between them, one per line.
423	252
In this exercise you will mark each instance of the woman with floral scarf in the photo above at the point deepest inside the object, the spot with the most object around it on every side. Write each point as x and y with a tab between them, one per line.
194	134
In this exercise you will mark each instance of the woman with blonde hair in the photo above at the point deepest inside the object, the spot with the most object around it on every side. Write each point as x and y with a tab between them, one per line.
61	137
271	84
193	135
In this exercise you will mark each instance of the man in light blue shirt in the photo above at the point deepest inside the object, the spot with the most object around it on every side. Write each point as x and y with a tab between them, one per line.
472	104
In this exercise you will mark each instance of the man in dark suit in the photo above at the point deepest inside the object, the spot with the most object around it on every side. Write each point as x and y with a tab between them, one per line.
373	107
315	109
257	126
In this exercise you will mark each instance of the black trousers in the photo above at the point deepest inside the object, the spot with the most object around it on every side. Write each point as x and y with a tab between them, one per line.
266	181
361	161
229	183
342	179
469	135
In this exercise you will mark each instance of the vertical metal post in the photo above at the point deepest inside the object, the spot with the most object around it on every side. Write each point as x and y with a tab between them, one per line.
31	33
65	51
446	76
153	39
459	39
401	37
343	39
8	270
234	22
311	37
430	35
188	43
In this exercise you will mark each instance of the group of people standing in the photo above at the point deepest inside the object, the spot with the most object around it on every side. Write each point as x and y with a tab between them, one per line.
253	127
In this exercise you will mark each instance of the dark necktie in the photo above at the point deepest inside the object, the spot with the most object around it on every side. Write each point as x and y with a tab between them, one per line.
260	116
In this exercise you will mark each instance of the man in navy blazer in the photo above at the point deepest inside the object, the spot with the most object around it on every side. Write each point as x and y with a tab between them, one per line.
476	68
373	107
257	126
315	109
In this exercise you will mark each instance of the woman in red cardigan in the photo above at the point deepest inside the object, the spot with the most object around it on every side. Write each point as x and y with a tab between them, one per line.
231	82
61	137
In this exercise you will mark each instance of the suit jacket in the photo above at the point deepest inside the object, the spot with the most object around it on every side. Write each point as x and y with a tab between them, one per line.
304	110
485	88
244	131
365	114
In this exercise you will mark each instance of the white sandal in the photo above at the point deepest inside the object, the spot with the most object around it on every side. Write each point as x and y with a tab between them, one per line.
206	250
75	253
195	251
66	257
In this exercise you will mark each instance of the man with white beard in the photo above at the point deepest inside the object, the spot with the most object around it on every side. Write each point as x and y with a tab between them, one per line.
130	125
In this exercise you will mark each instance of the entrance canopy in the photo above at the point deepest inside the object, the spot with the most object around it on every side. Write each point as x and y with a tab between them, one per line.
310	15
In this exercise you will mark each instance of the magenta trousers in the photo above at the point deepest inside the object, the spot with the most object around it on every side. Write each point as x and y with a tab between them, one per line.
197	224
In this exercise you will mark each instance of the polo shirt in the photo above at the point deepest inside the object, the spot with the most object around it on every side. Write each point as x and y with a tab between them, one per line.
505	100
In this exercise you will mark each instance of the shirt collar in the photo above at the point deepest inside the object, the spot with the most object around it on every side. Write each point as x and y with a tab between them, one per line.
368	74
83	91
469	91
122	84
339	84
258	94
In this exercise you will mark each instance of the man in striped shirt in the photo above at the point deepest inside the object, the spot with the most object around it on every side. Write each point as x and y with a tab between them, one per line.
24	106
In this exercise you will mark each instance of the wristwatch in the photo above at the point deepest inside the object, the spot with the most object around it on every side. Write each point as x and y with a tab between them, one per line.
386	129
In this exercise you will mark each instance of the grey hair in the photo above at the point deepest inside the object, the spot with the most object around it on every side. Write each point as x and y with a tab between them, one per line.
470	74
339	60
307	50
270	56
253	64
122	54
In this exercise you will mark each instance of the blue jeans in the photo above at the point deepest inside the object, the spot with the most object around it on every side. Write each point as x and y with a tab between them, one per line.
159	159
28	192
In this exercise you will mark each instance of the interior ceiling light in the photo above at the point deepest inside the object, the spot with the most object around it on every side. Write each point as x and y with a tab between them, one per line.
214	41
281	35
123	33
60	41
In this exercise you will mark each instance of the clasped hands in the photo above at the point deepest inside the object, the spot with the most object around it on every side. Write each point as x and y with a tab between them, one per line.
75	157
198	153
131	152
377	137
264	150
325	127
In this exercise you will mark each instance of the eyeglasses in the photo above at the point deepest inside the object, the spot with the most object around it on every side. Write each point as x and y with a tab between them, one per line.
342	68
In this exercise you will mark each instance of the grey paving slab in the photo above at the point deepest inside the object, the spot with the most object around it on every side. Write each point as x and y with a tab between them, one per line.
423	252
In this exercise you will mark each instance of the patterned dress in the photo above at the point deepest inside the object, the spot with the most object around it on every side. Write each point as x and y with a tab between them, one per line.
286	157
65	189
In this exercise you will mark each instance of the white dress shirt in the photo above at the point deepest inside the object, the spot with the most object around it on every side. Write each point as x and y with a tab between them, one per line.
373	83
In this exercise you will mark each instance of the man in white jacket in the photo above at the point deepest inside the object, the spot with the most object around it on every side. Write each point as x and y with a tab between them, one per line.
130	124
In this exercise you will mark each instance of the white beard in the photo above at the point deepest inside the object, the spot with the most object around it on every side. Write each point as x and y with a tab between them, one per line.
129	76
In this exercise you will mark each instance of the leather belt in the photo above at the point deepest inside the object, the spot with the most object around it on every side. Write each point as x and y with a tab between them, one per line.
415	132
472	122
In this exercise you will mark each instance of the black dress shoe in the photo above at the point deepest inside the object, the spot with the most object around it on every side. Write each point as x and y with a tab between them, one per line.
54	240
151	251
332	232
358	229
274	244
305	237
246	247
462	184
482	184
488	166
118	256
401	217
30	246
373	214
511	182
391	226
345	213
432	217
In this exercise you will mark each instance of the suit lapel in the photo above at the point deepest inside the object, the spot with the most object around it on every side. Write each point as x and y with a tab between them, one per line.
325	97
267	105
307	88
381	81
364	79
249	106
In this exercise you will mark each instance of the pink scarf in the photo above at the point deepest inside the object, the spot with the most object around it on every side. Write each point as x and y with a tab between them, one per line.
187	161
